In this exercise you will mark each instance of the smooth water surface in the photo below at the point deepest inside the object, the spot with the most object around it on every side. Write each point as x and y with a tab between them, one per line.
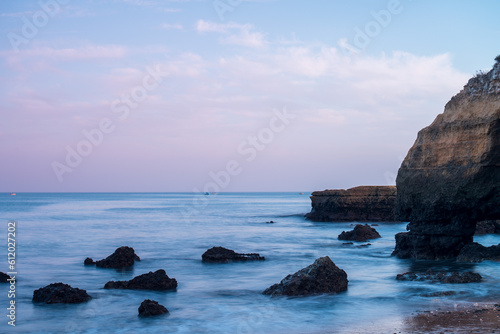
56	232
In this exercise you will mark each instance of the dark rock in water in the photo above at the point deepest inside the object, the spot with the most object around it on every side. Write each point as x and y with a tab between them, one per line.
151	281
361	204
443	277
440	294
4	277
363	246
347	243
60	293
270	222
150	308
224	255
488	227
450	178
323	276
360	233
88	262
122	257
476	253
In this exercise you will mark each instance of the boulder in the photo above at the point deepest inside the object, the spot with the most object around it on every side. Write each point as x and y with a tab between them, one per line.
4	277
323	276
150	308
443	277
488	227
476	253
60	293
224	255
88	261
122	257
450	178
157	280
361	204
360	233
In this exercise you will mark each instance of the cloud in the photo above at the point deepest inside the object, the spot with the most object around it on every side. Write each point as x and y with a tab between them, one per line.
168	26
237	34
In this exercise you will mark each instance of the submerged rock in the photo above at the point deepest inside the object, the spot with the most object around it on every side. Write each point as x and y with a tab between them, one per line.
440	294
157	280
4	277
488	227
150	308
360	233
323	276
443	277
476	253
224	255
450	178
60	293
361	204
122	257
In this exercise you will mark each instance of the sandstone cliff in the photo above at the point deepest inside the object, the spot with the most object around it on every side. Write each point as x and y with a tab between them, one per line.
450	178
361	204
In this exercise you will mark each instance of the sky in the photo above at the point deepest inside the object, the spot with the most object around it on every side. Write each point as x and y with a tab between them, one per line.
227	95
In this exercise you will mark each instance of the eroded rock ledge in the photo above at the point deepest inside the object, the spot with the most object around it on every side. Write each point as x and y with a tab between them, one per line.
450	178
361	204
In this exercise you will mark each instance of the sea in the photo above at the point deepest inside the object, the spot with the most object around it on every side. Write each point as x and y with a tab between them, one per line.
55	232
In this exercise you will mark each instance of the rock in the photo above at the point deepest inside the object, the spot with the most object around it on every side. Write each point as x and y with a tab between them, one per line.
323	276
360	233
440	294
4	277
122	257
270	222
360	204
476	253
224	255
443	277
88	262
488	227
60	293
151	281
150	308
450	178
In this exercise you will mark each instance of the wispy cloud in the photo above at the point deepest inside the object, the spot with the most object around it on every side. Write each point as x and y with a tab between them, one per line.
168	26
237	34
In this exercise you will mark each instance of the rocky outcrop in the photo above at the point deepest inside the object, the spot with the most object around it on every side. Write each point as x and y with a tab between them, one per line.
151	308
224	255
443	277
361	204
360	233
60	293
476	253
4	277
450	178
323	276
488	227
122	257
157	280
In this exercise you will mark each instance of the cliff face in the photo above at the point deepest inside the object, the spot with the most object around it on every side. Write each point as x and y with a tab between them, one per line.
361	204
450	178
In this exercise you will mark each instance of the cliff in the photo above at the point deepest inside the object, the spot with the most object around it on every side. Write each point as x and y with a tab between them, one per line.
361	204
450	178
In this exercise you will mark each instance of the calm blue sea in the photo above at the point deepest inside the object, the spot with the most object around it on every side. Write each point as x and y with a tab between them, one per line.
56	232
